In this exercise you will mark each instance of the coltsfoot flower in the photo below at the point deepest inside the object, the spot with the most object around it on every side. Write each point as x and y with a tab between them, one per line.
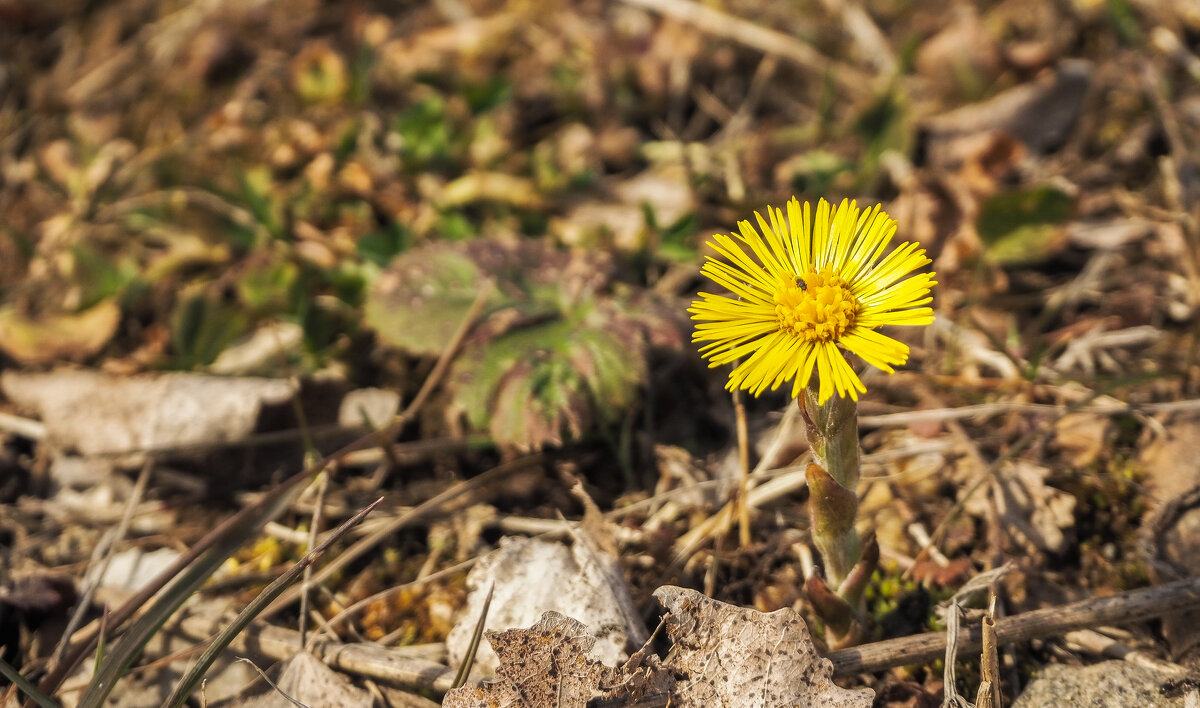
804	289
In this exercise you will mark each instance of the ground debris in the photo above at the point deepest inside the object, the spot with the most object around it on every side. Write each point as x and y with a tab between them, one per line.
721	655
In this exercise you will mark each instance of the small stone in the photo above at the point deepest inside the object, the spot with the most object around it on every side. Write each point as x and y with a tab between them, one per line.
1110	684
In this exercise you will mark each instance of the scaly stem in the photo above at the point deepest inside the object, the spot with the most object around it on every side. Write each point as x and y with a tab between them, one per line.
833	434
832	430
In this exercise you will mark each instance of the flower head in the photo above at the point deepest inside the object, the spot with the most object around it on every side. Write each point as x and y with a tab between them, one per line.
804	290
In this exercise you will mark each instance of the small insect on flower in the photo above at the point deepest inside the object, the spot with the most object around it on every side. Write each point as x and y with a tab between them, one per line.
805	287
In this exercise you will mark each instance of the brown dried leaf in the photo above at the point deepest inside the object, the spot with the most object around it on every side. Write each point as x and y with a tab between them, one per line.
1170	461
1039	113
545	665
1030	510
530	576
1082	437
723	656
735	656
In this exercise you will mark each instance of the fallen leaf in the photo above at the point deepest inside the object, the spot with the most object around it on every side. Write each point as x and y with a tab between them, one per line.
70	336
97	414
546	665
962	58
1169	461
1030	510
730	655
722	656
1039	113
1082	437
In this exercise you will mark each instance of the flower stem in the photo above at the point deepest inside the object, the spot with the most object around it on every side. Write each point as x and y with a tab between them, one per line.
833	434
832	429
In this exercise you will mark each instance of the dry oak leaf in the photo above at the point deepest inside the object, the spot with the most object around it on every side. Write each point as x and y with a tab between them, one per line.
734	656
545	665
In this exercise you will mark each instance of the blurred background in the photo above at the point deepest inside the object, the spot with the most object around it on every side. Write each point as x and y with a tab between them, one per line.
323	193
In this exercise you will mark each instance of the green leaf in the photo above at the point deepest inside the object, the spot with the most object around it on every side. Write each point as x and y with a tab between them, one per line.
1023	227
425	134
202	327
38	697
379	247
419	302
555	355
539	385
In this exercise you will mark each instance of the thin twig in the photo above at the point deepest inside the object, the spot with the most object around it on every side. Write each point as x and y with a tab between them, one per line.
743	488
1126	608
984	410
25	427
318	507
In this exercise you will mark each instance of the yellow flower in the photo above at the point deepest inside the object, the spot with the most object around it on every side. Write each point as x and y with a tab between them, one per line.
801	289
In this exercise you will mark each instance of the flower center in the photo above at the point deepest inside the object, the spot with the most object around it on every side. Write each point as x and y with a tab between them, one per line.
815	306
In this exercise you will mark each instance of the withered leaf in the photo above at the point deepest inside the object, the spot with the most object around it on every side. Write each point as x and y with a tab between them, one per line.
545	665
56	337
736	656
722	656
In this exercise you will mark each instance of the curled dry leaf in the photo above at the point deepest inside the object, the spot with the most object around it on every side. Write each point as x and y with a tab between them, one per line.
1030	510
1039	113
1082	437
1171	528
60	336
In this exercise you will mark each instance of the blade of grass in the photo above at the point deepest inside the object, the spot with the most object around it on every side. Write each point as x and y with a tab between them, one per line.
188	683
53	680
24	685
114	620
123	652
464	670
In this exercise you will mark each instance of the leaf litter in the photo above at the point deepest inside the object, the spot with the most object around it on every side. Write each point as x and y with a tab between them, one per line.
297	193
720	655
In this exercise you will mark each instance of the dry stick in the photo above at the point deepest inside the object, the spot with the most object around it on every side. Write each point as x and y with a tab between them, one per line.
769	41
89	635
1125	608
361	659
936	415
25	427
989	684
743	489
306	582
